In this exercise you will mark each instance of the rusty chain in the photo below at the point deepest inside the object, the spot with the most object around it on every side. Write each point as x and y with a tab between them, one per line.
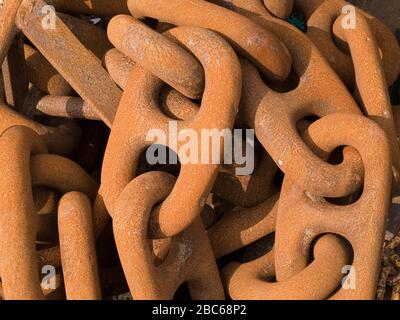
90	88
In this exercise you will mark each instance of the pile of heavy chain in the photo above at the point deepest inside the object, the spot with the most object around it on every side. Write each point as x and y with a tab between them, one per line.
84	214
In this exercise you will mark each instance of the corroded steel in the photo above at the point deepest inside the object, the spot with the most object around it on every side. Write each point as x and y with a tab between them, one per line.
86	91
77	243
190	257
274	115
259	45
138	105
362	223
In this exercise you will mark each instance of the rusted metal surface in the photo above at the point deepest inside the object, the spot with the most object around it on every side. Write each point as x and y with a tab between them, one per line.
60	139
135	110
279	8
315	282
251	190
356	222
258	44
43	75
274	115
18	213
77	242
67	107
389	13
320	16
63	50
238	228
119	66
8	13
190	255
15	75
80	198
163	58
369	71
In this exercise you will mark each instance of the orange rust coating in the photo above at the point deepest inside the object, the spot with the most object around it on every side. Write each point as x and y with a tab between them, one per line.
251	190
158	54
18	265
67	107
16	84
316	282
43	170
369	73
102	8
138	106
240	227
42	74
64	176
91	36
46	202
77	246
45	199
274	116
177	106
172	103
302	216
279	8
190	258
320	17
62	49
259	45
8	12
118	66
327	129
60	140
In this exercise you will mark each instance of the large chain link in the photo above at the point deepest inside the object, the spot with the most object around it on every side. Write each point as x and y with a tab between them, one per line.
83	200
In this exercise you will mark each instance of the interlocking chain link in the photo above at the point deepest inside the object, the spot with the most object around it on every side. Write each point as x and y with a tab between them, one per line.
81	100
